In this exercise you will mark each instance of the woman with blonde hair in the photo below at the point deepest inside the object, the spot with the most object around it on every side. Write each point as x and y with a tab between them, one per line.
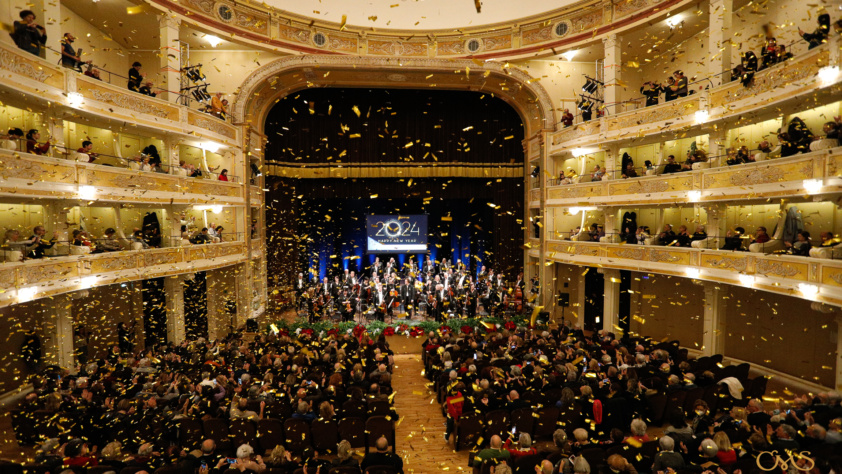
345	456
326	412
281	459
726	455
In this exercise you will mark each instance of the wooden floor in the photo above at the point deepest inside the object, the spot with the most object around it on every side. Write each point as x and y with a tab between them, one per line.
419	436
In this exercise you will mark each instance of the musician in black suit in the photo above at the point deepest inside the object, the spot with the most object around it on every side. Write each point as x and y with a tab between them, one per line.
443	301
380	301
471	299
429	267
407	296
376	268
483	274
336	288
300	288
347	305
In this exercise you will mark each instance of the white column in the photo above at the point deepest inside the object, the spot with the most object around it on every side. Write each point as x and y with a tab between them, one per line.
718	147
715	222
611	74
55	131
719	40
713	335
611	302
611	161
170	56
612	225
174	288
58	333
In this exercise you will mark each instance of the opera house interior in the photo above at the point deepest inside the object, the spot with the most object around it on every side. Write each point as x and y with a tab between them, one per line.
417	236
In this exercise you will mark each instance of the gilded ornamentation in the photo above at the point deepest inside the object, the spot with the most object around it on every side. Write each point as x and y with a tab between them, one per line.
43	273
251	23
771	81
302	36
534	194
115	264
757	176
21	169
765	267
577	131
342	44
587	250
203	5
397	48
669	111
537	35
7	278
650	186
215	126
569	192
663	257
737	264
152	259
450	48
499	42
633	254
128	101
588	21
629	6
837	277
16	64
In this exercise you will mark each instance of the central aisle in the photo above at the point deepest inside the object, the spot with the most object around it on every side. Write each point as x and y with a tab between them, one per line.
420	434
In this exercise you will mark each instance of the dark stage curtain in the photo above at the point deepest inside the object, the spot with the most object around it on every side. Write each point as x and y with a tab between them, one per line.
318	225
393	125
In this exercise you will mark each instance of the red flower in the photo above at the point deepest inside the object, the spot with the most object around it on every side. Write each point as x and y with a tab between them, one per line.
333	332
402	328
283	333
511	326
490	328
358	332
444	330
467	329
308	332
416	332
389	331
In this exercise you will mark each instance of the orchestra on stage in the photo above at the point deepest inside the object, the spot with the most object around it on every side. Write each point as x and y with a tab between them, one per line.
435	291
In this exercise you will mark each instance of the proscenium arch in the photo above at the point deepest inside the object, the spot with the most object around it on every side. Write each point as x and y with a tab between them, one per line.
266	85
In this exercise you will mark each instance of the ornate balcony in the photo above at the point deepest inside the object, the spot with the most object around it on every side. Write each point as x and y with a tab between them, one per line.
24	281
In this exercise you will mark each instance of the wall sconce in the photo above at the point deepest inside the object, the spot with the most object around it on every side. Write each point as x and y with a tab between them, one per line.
701	116
808	290
746	280
692	272
813	186
75	99
87	193
694	196
27	294
828	75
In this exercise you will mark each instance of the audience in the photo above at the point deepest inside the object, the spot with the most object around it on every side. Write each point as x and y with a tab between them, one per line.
671	166
11	139
84	153
382	457
566	118
69	57
819	36
28	35
32	144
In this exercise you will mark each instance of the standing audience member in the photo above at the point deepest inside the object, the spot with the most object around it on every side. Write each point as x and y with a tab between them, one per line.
819	36
69	57
651	91
29	35
567	118
136	77
223	175
85	154
38	241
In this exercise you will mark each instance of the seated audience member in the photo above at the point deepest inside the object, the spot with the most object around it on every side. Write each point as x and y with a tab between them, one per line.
137	237
726	455
110	242
764	149
701	420
648	165
760	236
80	238
223	175
382	457
699	234
834	432
737	72
638	432
29	35
77	454
69	57
831	131
218	106
32	145
671	166
749	63
819	36
619	465
682	237
600	232
38	241
494	452
783	437
281	460
734	239
739	156
667	236
246	461
146	89
11	139
136	78
642	234
218	232
667	458
629	171
786	146
801	246
567	118
85	154
828	240
202	237
523	448
694	156
14	242
91	71
345	456
651	91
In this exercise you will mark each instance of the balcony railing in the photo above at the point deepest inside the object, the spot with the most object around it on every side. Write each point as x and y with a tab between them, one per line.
813	278
24	281
46	177
776	177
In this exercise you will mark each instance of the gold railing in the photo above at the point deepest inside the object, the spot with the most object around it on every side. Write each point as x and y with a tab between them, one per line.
772	178
24	174
784	274
51	276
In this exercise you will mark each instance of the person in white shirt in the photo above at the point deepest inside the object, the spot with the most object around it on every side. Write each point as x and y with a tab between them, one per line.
11	139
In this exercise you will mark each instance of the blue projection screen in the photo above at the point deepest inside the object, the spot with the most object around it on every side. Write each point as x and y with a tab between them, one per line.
396	234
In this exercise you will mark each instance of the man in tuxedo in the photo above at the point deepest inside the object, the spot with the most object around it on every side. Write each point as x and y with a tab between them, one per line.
380	302
483	274
471	301
499	283
348	305
346	276
352	279
336	288
300	288
376	268
429	267
407	296
442	302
